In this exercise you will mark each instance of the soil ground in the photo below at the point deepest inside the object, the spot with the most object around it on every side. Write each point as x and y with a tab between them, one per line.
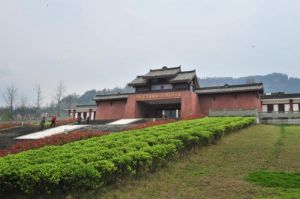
7	136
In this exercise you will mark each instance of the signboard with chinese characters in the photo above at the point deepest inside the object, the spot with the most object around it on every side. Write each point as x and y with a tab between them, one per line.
158	96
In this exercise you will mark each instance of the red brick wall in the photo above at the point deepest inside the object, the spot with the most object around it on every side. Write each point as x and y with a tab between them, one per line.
249	100
135	110
131	109
110	110
190	105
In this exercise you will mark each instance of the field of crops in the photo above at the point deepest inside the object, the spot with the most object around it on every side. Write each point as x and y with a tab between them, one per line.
95	162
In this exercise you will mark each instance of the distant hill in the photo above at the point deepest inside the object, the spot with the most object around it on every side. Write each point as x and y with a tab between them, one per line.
87	97
276	82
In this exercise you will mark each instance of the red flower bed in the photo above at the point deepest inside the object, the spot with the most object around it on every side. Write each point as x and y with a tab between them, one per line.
195	116
65	121
58	139
151	123
61	139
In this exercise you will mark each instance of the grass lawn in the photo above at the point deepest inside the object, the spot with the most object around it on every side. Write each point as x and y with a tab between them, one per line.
221	170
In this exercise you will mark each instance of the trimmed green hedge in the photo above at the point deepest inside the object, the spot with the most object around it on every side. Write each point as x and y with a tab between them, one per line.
92	163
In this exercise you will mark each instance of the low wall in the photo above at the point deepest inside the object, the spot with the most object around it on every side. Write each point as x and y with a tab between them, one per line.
280	118
224	112
287	115
280	121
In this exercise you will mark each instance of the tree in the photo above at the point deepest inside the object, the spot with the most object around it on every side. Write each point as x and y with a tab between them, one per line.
59	94
38	99
10	97
70	100
23	107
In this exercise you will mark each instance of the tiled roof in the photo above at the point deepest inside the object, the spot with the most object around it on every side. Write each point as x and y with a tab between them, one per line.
281	96
110	97
83	107
175	74
163	72
184	76
86	105
231	88
138	81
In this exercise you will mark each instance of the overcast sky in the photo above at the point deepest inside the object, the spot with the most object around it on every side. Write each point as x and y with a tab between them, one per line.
96	44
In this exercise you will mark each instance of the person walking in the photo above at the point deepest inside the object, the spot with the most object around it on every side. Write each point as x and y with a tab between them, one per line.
53	121
43	121
88	119
79	119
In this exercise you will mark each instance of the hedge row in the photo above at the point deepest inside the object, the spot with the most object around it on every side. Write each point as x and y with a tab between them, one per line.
92	163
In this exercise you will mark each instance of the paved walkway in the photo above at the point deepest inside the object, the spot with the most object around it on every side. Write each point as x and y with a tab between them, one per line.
124	121
52	131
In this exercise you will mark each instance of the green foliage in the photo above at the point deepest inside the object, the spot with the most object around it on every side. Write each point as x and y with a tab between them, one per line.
6	116
275	179
94	162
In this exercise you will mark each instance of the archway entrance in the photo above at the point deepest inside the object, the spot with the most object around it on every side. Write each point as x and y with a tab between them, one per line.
170	108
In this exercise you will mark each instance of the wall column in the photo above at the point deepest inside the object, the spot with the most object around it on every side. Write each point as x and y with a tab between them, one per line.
131	108
90	114
190	105
291	105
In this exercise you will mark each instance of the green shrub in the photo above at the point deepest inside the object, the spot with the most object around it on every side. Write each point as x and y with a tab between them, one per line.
94	162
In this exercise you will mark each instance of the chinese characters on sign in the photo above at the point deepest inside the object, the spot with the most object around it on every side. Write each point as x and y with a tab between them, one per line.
155	96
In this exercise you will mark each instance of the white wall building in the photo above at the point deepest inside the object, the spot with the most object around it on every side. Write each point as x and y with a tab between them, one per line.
280	103
84	111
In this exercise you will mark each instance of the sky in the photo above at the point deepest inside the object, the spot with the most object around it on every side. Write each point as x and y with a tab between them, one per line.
96	44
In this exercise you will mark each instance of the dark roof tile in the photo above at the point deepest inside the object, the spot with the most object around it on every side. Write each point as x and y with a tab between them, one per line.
174	73
111	97
163	72
231	88
280	96
184	76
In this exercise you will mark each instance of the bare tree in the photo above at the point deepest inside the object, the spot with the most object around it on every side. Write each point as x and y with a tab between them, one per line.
70	100
59	94
10	97
38	99
23	107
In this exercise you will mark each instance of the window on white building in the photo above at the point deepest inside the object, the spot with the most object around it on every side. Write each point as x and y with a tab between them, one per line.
270	108
281	108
